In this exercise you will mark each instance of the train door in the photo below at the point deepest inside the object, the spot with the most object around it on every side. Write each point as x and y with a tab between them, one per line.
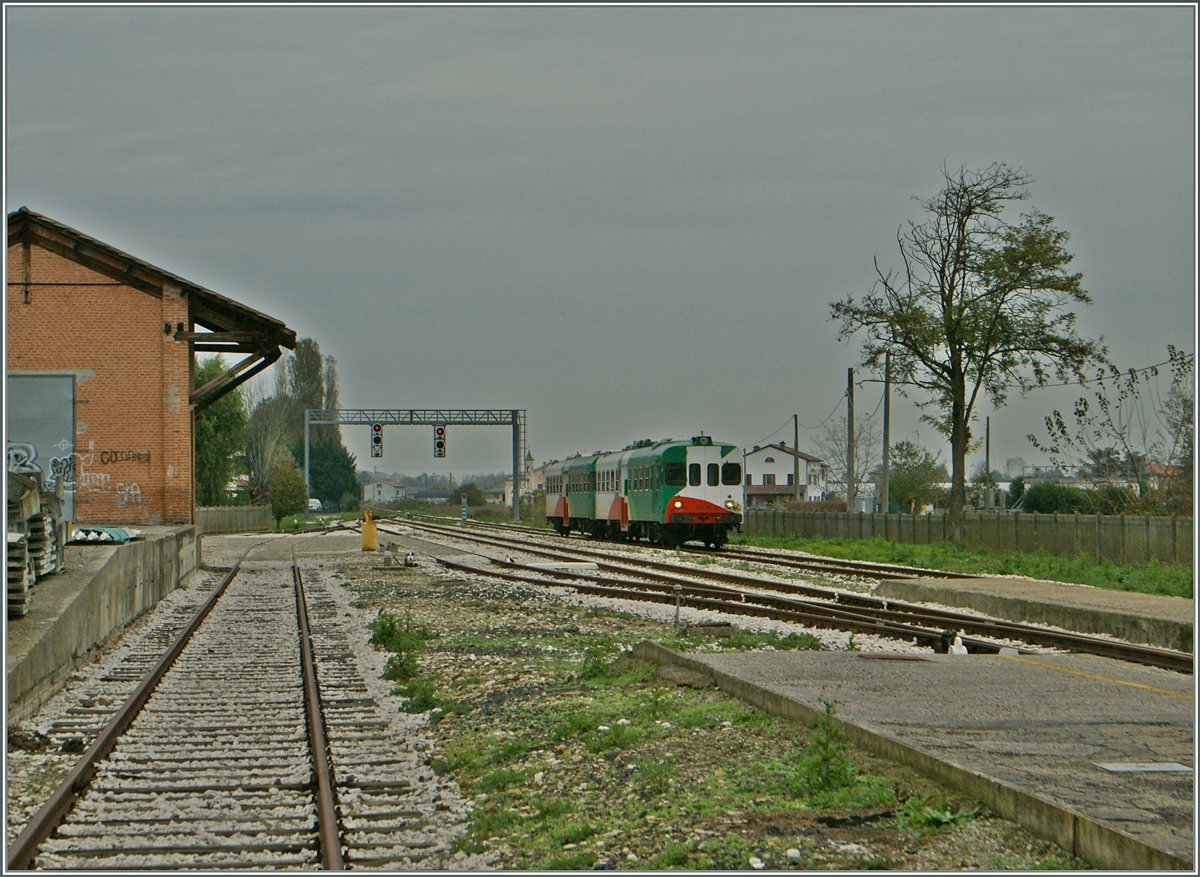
652	482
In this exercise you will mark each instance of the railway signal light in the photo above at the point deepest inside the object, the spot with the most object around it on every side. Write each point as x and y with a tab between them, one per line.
439	441
376	439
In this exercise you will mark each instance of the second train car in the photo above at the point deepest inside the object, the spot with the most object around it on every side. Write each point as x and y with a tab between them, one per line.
669	492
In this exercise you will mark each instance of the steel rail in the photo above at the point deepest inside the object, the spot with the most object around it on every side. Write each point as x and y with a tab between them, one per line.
328	828
813	563
836	564
48	817
690	596
893	610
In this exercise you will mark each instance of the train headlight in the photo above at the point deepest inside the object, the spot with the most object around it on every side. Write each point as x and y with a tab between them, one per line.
678	504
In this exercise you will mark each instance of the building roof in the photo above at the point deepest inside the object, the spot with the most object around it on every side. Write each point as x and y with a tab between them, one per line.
785	449
233	327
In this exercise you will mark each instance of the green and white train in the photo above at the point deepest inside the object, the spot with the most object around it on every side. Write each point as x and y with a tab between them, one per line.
670	492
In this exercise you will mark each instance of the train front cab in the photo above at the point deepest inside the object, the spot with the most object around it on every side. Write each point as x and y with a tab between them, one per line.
707	503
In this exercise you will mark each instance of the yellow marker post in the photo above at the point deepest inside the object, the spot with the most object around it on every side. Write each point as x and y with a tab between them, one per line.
370	539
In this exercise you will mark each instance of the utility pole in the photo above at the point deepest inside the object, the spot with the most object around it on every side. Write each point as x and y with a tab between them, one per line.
987	464
887	427
849	440
796	457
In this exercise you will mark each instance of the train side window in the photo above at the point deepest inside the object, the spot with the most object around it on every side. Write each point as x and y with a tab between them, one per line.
694	474
675	474
731	473
714	474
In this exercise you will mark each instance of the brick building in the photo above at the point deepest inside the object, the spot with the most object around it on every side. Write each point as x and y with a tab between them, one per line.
99	372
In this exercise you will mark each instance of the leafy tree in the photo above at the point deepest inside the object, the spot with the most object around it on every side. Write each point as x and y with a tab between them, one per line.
1016	489
305	387
286	486
219	437
979	306
331	473
331	431
915	477
473	494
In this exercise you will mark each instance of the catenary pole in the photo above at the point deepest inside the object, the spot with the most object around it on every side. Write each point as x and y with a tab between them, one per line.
307	423
796	456
887	427
850	440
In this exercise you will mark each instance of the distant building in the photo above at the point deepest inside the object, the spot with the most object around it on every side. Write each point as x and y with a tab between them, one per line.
380	492
770	476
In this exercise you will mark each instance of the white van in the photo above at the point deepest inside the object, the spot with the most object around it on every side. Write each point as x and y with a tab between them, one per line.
314	505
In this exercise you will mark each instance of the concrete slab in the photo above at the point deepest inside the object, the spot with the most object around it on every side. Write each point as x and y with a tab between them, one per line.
1139	618
102	589
1022	735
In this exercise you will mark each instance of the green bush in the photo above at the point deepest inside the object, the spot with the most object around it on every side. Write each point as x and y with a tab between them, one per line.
389	633
1048	498
401	667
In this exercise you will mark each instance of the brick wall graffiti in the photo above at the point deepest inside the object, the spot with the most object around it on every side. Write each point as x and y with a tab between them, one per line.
76	471
107	457
129	494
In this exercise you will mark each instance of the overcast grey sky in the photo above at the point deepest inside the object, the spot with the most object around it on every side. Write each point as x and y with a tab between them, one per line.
629	221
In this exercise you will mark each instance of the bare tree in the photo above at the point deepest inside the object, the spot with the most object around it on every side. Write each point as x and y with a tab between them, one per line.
830	443
266	434
1124	439
980	305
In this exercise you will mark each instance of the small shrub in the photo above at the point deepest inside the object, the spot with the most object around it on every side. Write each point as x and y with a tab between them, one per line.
822	766
579	860
616	737
400	667
499	779
923	816
575	725
654	702
510	751
390	634
673	856
574	832
594	665
654	775
420	697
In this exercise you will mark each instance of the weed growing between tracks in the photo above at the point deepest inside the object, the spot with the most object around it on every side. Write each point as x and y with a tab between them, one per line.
1170	580
574	752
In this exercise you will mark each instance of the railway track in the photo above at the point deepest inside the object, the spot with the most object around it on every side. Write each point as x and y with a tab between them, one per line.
253	742
741	593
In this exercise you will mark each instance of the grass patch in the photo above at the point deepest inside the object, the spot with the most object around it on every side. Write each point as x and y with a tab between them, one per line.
1171	580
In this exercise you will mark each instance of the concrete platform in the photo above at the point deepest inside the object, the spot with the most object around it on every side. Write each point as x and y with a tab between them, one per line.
1022	735
1168	622
103	588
